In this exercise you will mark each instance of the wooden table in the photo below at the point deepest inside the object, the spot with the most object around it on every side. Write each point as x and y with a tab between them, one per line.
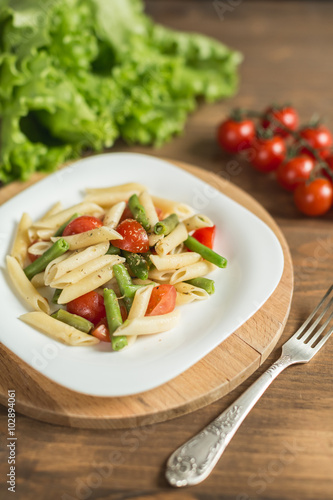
284	449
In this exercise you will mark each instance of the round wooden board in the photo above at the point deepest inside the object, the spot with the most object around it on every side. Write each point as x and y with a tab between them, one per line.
211	378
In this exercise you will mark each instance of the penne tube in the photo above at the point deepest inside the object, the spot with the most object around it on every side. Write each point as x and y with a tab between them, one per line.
21	241
92	237
147	203
173	207
172	240
58	330
24	287
201	268
178	249
139	307
57	207
90	282
137	281
56	220
108	199
113	215
121	188
197	221
75	259
38	280
174	261
39	247
148	325
82	271
188	293
154	238
48	273
161	276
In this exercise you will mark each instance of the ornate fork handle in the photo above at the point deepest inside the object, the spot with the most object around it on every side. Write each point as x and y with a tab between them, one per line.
193	461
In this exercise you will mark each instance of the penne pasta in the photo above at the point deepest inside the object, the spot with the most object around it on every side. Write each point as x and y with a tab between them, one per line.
56	220
21	241
197	221
58	330
188	293
139	307
154	238
148	325
161	276
121	188
201	268
109	198
39	247
147	203
57	207
89	238
89	283
113	215
24	288
175	261
48	273
38	280
177	236
173	207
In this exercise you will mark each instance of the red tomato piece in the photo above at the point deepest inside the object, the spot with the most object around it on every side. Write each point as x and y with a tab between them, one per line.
101	331
135	238
235	135
314	198
30	255
160	213
295	171
286	115
329	161
319	138
123	313
90	306
268	153
127	214
81	225
205	235
162	300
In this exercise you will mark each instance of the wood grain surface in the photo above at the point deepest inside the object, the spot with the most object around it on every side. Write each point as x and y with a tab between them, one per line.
213	377
284	449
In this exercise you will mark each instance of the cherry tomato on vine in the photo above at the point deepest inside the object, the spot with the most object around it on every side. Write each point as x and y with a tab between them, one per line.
314	198
329	161
319	138
286	115
162	300
235	136
81	225
135	238
268	153
90	306
295	171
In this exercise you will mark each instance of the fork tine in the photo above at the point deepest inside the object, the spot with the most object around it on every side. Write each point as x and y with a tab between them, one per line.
322	342
308	333
321	330
314	312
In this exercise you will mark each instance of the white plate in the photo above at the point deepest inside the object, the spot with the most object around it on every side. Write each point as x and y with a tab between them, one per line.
255	265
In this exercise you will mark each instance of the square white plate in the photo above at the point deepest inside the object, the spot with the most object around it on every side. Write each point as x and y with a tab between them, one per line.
255	265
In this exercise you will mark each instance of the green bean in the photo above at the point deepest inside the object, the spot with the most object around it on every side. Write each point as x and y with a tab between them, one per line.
138	211
204	283
65	224
114	318
113	250
58	248
205	252
137	264
56	295
127	289
73	320
167	225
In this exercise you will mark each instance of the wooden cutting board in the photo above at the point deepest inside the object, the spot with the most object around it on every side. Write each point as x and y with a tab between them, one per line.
211	378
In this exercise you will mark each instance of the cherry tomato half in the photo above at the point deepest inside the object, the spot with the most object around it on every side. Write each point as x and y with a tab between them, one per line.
295	171
205	235
286	115
81	225
101	331
268	153
135	238
235	136
314	198
319	138
162	300
90	306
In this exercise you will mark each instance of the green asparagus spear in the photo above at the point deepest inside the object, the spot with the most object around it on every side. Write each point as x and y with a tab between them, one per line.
58	248
56	296
167	225
73	320
205	252
204	283
113	250
137	264
138	211
65	224
114	318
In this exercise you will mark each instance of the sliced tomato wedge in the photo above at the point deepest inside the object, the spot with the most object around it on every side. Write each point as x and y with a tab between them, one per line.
101	331
90	306
135	238
162	300
81	225
206	236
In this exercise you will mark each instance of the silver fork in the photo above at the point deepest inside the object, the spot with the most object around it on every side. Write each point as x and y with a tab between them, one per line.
194	461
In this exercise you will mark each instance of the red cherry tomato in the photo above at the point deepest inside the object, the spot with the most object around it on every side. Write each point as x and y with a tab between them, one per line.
135	238
101	331
205	235
90	306
81	225
286	115
319	138
268	153
329	161
162	300
235	136
295	171
314	198
127	214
